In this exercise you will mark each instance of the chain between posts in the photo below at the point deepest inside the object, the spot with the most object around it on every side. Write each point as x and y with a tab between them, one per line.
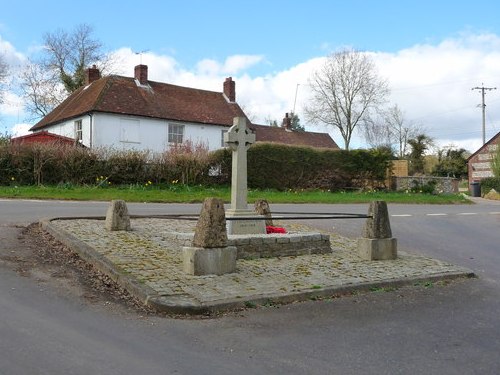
314	216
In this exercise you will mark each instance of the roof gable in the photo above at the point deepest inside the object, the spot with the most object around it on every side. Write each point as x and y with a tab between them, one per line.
492	141
123	95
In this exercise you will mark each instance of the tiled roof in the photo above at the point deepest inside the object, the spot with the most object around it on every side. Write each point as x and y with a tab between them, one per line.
42	137
282	135
121	95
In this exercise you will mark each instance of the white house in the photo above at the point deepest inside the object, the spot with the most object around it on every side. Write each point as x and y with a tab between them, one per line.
135	113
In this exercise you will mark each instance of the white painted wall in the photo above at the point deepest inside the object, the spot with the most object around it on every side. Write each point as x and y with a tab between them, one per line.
136	133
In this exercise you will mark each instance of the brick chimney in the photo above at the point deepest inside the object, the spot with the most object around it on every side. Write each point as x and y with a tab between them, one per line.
230	89
141	74
287	122
92	74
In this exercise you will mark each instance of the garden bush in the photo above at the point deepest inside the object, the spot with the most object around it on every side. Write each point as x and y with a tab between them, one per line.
270	166
490	183
282	167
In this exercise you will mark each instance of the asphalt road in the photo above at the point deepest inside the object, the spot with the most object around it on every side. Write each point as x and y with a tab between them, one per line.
452	329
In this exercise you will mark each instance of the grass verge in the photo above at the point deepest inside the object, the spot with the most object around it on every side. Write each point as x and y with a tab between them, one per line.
186	194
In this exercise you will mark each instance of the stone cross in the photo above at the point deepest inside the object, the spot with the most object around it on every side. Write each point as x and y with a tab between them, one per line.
239	138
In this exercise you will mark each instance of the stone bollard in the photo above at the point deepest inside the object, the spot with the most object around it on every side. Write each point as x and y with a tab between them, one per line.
210	254
262	208
117	217
377	242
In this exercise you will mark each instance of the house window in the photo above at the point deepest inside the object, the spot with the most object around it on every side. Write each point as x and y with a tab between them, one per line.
175	133
222	143
78	131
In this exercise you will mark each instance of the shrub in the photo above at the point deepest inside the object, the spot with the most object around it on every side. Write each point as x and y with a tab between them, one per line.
35	163
282	167
270	166
125	167
490	183
81	165
428	187
188	163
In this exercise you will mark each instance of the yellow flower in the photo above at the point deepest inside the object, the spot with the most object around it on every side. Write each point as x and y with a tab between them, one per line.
12	178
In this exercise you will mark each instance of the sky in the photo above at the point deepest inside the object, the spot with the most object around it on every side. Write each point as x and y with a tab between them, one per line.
431	52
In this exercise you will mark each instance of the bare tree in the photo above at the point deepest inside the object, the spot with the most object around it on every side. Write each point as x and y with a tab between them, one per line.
42	91
61	69
391	129
345	90
69	54
4	70
377	132
401	130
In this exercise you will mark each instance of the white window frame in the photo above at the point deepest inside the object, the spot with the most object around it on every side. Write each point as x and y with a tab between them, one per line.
176	133
79	131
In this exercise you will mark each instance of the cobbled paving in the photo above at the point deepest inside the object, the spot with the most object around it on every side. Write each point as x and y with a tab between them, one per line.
148	254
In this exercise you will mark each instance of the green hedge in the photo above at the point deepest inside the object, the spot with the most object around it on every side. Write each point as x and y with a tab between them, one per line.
282	167
270	166
490	183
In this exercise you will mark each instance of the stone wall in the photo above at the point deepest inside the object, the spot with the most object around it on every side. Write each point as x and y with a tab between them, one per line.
447	185
268	245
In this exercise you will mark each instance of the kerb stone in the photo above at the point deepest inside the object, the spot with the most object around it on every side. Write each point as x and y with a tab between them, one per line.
117	217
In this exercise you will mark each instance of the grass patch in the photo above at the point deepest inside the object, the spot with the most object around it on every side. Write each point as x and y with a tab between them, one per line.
425	284
196	194
382	289
250	305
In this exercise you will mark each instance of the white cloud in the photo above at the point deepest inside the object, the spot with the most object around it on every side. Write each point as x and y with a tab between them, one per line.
431	83
232	65
20	129
12	57
208	67
12	105
237	63
470	144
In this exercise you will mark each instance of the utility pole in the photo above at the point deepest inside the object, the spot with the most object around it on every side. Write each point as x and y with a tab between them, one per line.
483	89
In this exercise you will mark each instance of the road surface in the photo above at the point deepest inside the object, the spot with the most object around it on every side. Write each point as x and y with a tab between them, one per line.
433	329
